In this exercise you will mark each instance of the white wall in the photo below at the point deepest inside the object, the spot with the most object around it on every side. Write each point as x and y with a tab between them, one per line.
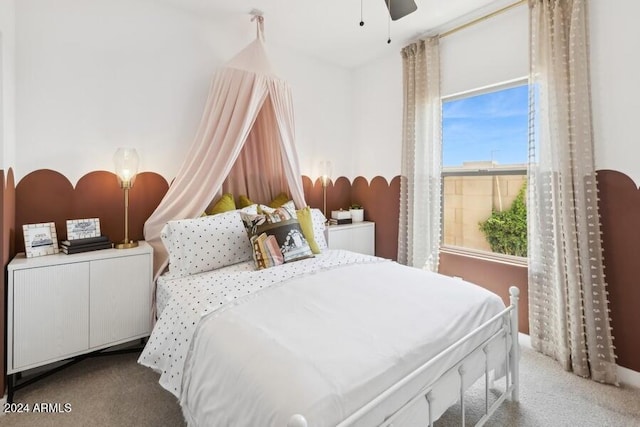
377	105
467	64
92	76
615	82
323	95
7	84
493	51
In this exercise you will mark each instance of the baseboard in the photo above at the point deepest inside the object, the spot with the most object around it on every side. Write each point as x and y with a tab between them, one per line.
524	340
626	376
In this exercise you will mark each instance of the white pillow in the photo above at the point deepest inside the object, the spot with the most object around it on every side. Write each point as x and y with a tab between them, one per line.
318	219
206	243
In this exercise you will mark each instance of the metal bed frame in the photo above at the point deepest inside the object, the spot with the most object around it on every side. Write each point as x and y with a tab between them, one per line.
509	331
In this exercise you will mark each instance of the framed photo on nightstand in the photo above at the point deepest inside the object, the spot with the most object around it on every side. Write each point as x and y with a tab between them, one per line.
83	228
40	239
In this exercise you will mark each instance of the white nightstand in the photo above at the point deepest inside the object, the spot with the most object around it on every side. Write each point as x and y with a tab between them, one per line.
60	306
356	237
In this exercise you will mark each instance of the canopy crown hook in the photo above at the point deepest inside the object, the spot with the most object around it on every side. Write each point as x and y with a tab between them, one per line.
258	16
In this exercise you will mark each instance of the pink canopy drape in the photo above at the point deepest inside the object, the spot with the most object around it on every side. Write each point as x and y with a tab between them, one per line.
259	172
246	102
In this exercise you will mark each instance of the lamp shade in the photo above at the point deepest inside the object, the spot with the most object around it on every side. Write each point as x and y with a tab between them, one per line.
325	169
126	166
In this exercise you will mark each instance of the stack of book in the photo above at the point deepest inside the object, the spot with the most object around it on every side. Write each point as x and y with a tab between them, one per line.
334	221
77	246
340	217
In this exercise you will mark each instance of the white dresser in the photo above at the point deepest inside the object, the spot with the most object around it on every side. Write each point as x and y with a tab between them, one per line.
357	237
60	306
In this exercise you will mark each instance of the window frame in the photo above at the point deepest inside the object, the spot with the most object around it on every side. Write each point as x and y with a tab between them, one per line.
460	250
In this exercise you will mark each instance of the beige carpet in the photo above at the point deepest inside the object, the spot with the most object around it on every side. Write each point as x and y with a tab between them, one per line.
116	391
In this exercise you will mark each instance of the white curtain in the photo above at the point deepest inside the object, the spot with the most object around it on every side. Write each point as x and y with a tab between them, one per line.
420	181
568	307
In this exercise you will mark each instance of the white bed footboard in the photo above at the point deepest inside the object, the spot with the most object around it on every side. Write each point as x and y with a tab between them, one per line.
508	331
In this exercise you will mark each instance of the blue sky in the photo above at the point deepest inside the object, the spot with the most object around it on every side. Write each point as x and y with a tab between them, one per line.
485	127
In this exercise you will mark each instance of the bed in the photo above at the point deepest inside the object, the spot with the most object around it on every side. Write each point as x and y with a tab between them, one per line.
339	338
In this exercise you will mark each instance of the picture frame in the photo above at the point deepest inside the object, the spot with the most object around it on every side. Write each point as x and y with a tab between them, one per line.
40	239
83	228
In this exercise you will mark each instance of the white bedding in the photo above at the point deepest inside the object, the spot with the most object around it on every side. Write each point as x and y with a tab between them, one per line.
193	297
167	286
319	337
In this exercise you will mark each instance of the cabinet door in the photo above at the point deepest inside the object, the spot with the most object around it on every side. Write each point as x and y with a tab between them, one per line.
356	238
120	303
50	313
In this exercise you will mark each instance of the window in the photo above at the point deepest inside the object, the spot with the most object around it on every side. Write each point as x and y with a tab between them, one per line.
484	170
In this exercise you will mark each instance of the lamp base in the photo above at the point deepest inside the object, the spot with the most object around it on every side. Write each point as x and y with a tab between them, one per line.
126	245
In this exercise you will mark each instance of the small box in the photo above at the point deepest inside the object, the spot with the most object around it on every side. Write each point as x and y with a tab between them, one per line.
340	214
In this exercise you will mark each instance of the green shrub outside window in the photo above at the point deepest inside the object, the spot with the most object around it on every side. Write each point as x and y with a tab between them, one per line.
506	231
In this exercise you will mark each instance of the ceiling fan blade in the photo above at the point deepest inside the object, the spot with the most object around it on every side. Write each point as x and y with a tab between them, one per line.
400	8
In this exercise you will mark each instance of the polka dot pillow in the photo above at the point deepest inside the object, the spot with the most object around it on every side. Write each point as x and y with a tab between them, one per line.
318	219
205	243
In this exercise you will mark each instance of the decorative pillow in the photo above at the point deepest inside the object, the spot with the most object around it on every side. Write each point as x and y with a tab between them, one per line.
205	243
276	237
280	200
244	201
266	209
266	251
251	209
306	224
319	221
225	203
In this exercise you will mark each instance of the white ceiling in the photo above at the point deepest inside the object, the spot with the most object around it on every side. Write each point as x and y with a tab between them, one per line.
330	30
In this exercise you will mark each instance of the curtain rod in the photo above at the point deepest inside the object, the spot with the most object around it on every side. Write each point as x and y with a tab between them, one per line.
481	19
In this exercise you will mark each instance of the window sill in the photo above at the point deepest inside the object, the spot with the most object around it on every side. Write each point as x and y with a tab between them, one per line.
484	255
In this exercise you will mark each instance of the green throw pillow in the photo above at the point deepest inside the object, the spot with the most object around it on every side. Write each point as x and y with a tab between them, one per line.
306	225
226	203
280	200
244	201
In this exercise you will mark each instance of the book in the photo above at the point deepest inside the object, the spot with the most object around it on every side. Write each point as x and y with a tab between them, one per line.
85	248
84	245
334	221
84	241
